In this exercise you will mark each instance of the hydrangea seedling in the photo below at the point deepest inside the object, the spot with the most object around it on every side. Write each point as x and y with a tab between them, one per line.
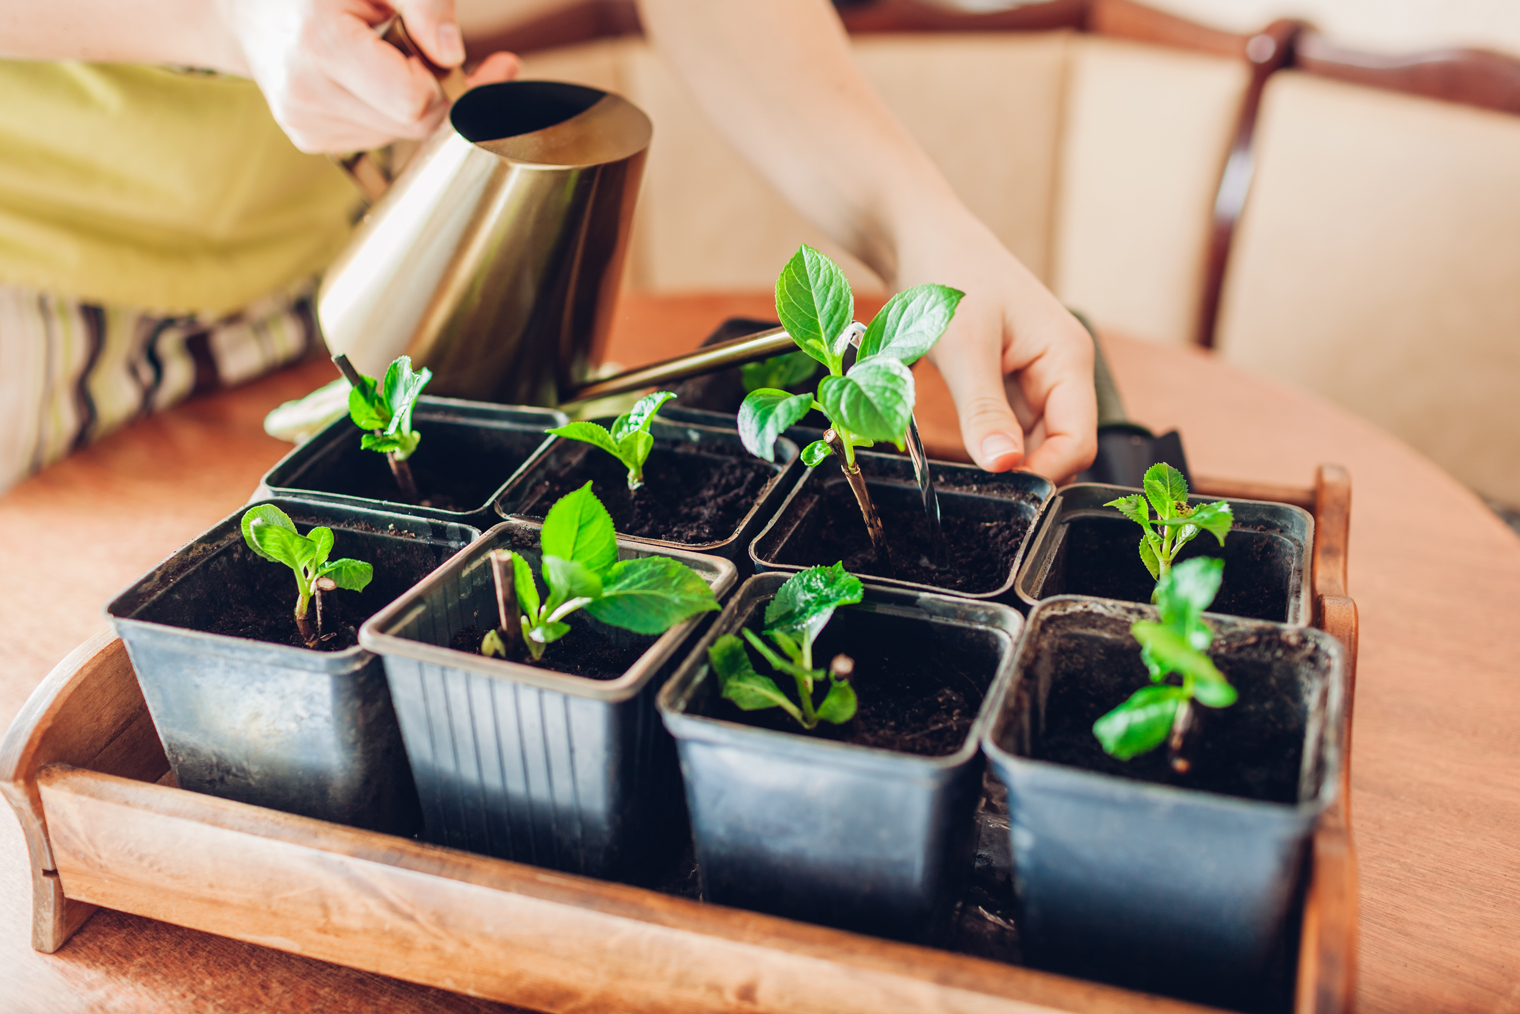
271	534
384	408
793	620
581	570
871	401
1174	646
1179	523
628	441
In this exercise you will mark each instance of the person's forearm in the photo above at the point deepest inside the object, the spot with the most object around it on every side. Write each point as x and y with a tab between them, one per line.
189	33
777	79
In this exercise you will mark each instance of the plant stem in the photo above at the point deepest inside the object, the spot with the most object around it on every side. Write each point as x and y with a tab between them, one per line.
403	473
1180	723
852	473
303	622
805	696
506	601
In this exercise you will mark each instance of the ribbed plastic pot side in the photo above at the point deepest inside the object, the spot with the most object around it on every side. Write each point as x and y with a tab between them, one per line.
1129	873
811	828
277	725
524	762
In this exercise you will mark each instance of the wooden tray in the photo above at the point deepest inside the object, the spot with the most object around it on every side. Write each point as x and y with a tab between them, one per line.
83	769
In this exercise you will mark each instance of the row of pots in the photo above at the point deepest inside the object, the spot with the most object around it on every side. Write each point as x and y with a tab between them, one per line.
1119	876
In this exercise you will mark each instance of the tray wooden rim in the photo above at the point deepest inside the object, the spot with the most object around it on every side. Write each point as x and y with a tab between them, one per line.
81	760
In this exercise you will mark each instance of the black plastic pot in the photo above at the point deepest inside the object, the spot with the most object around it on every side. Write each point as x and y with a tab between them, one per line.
276	725
831	832
1085	548
971	502
529	497
1132	874
525	762
483	444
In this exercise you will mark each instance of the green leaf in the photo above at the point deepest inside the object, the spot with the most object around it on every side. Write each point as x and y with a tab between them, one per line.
875	399
547	633
778	371
1148	554
322	540
741	684
400	391
651	594
1185	592
838	704
365	406
910	323
353	575
569	580
527	589
282	545
815	452
814	303
1215	518
1214	693
1135	508
1141	723
492	646
402	445
1170	651
264	514
807	600
1165	488
634	450
641	416
579	528
591	433
767	413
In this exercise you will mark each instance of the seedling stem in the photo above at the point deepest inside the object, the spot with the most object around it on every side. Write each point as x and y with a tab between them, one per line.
840	445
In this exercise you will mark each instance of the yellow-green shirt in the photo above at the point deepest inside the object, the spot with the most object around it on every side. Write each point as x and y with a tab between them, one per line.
155	188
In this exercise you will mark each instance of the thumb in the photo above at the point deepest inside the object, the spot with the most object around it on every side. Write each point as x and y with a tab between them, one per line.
433	26
974	373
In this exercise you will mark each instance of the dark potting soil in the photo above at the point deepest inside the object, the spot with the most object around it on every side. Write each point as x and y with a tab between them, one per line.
918	685
1100	556
582	652
981	553
457	467
1254	748
690	496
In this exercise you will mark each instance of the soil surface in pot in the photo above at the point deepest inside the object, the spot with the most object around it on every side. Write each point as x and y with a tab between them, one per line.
1253	748
585	651
1100	556
457	467
690	496
919	685
243	595
981	553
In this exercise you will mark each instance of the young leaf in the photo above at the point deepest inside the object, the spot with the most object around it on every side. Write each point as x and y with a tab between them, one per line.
765	414
366	408
282	545
569	580
266	514
400	391
633	451
1148	544
808	599
910	323
1141	723
875	399
838	704
591	433
545	633
579	528
814	303
650	595
1165	488
641	416
527	589
1215	518
794	668
778	371
352	575
492	645
815	452
1171	652
1135	508
322	543
1186	591
741	684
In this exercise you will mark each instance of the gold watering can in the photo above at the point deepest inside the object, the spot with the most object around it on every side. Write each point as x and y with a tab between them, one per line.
494	258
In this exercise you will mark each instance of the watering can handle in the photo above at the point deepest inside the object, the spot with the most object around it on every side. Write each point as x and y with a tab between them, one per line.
373	171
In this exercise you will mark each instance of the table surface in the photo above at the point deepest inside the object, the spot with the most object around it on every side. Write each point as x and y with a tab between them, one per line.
1436	756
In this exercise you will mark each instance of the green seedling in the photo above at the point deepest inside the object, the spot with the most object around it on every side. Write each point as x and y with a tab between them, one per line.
1176	522
271	534
581	570
1175	646
793	620
384	408
628	440
871	401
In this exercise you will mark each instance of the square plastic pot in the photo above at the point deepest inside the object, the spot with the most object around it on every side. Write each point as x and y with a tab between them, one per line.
966	493
524	500
793	824
1085	548
490	443
1189	888
307	732
526	763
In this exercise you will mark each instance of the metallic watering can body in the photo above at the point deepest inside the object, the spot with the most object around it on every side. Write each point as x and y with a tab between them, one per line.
495	258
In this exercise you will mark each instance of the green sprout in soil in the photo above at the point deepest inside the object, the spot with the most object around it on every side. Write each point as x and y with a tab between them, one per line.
1177	521
628	440
271	534
581	570
1175	646
793	620
871	401
384	408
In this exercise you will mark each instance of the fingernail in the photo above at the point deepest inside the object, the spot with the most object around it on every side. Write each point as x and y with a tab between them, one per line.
450	44
997	446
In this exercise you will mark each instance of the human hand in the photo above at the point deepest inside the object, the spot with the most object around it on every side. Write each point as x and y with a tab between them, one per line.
330	81
1019	366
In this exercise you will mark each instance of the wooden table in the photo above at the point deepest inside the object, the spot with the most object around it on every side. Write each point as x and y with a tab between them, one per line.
1436	758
